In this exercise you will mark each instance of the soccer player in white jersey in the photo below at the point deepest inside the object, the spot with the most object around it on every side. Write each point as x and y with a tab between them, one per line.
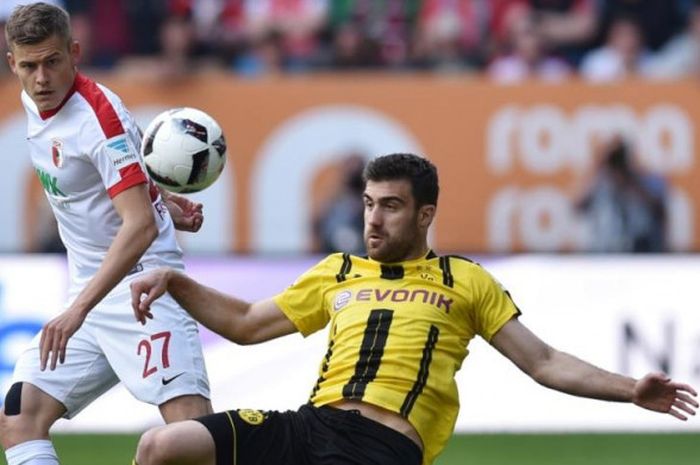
115	224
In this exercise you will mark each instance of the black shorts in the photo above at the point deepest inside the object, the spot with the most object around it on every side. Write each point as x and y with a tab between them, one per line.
309	436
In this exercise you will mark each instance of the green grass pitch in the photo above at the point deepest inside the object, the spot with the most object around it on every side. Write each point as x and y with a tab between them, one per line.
477	449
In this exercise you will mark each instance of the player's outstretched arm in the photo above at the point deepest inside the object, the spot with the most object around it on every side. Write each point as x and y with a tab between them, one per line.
232	318
137	232
566	373
186	214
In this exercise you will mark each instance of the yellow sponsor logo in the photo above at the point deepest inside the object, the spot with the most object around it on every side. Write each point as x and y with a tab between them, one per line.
252	417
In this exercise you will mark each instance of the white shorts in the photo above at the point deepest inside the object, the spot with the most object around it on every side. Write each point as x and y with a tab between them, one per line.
156	362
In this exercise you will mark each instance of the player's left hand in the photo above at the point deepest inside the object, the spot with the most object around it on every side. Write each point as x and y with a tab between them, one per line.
55	335
187	215
657	392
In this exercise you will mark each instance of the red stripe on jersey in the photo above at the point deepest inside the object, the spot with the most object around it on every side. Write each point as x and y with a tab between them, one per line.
106	115
131	175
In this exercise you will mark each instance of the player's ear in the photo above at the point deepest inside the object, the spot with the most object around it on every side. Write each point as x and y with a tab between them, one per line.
11	62
426	213
75	51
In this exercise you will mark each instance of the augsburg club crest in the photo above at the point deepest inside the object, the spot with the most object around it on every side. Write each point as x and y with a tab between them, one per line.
57	152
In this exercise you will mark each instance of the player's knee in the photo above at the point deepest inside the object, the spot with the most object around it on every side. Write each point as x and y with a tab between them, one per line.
10	420
17	429
4	429
14	430
154	447
19	424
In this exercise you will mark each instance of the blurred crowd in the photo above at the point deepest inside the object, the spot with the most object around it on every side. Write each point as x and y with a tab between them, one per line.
620	206
507	40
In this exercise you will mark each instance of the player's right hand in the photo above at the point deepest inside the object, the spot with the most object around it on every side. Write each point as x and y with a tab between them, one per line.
145	290
55	335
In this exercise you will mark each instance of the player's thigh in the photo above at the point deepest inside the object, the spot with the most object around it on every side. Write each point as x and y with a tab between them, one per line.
184	408
81	378
254	437
158	361
184	442
27	414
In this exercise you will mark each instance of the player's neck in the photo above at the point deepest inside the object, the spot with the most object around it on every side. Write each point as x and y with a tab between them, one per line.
418	252
415	253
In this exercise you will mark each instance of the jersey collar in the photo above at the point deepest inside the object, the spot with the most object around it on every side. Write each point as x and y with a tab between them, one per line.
430	254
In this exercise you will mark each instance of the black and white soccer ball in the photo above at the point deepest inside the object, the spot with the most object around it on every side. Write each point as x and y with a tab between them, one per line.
184	150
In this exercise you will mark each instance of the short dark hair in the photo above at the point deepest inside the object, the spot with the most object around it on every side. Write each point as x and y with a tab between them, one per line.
34	23
419	171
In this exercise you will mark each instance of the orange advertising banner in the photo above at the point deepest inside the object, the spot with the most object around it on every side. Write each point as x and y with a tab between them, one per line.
512	160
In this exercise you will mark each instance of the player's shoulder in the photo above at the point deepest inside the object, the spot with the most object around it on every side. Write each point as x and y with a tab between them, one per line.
331	258
94	92
341	266
110	115
338	261
452	260
459	268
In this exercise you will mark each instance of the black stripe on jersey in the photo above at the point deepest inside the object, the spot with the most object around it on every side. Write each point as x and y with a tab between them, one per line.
430	255
423	372
344	268
392	272
459	257
447	278
371	352
324	369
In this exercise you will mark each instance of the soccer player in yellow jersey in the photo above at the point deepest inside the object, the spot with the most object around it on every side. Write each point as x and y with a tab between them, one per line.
400	322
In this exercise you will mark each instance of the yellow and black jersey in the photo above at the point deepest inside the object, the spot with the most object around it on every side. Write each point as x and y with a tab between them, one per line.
398	333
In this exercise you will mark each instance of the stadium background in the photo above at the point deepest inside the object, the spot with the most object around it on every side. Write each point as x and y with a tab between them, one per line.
512	159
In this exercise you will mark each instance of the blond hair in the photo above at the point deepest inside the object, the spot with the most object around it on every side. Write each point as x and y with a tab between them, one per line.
36	22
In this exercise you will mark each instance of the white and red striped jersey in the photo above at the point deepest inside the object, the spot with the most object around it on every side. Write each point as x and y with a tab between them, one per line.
85	153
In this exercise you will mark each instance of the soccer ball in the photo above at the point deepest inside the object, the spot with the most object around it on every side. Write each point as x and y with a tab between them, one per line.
184	150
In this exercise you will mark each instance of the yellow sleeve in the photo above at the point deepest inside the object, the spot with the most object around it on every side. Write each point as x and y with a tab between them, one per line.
494	307
303	301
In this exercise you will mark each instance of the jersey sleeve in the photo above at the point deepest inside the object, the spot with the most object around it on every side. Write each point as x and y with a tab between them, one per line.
303	301
493	307
118	161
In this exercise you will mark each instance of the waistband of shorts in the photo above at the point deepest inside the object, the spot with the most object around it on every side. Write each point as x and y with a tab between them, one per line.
372	427
149	265
140	267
